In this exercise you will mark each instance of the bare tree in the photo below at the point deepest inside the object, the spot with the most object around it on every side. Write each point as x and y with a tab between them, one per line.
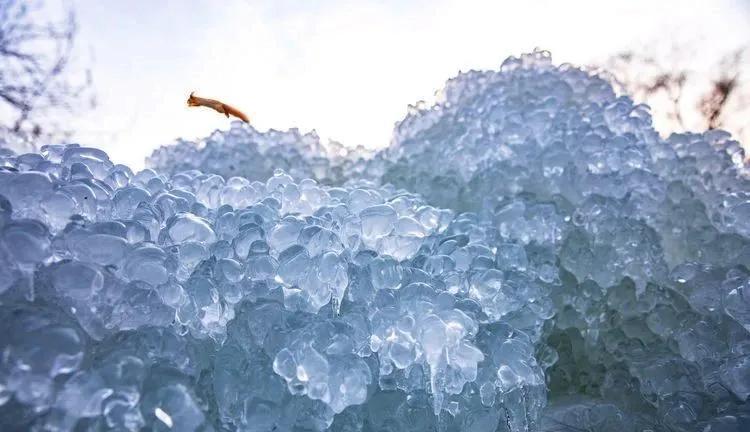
683	98
35	83
647	79
726	85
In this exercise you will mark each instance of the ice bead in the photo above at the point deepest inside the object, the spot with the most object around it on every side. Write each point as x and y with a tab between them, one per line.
377	221
188	228
126	200
77	280
173	408
29	241
146	263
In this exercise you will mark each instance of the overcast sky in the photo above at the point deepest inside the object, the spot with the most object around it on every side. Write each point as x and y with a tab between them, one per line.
345	68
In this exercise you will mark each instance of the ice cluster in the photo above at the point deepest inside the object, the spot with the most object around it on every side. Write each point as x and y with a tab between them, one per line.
245	152
527	255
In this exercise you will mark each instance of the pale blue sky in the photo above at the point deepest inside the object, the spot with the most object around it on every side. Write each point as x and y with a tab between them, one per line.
346	68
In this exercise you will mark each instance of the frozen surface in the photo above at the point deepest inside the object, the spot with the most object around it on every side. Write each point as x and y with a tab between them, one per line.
527	255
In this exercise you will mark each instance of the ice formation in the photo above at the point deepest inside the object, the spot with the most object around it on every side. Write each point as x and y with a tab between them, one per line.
245	152
527	255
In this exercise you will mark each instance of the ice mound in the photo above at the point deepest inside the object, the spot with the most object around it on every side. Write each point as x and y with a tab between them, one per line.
527	255
646	238
243	151
135	300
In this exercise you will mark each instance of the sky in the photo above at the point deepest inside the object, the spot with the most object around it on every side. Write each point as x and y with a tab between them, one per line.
348	69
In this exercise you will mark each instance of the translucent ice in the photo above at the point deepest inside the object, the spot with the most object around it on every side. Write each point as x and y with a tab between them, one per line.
527	255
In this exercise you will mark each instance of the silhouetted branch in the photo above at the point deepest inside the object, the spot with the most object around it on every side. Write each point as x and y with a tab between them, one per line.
713	104
722	94
34	57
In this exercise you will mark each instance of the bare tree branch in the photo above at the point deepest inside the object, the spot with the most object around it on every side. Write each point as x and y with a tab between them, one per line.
713	103
722	96
34	80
